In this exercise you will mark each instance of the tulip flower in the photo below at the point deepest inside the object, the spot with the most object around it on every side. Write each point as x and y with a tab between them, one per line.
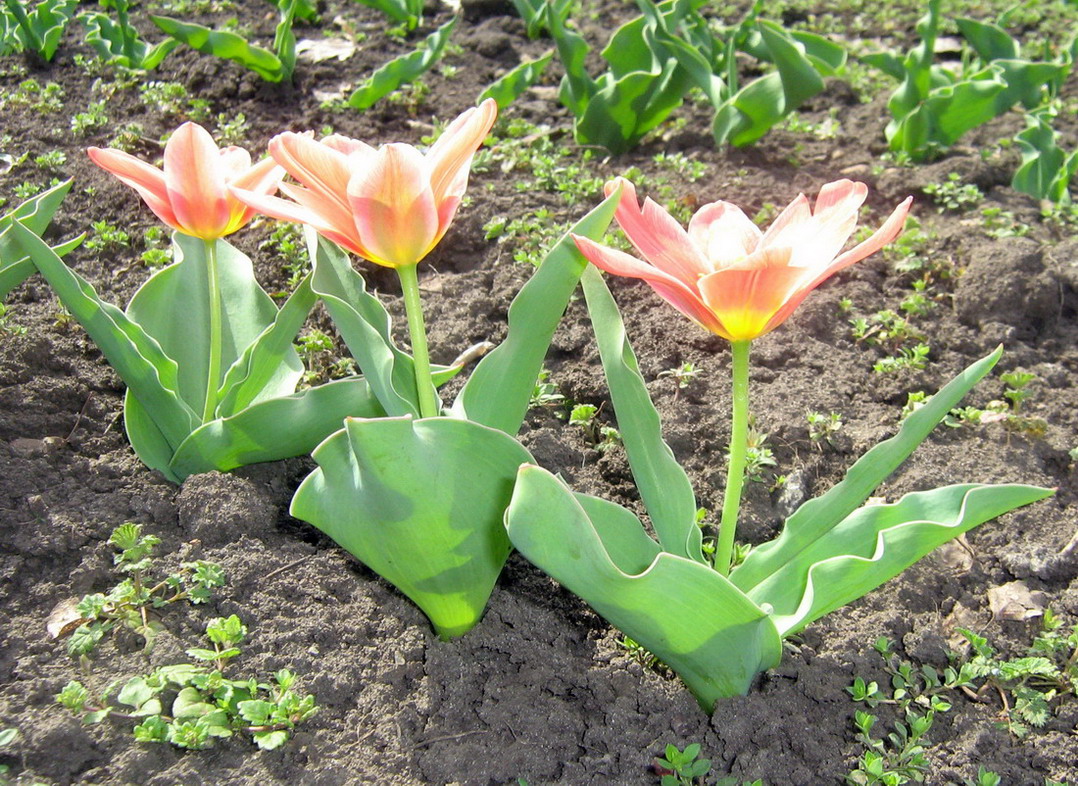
390	205
738	282
191	195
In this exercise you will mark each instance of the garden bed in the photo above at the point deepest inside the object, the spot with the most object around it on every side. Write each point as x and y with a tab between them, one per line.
542	689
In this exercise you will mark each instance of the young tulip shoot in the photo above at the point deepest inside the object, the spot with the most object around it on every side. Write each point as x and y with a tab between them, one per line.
390	205
738	282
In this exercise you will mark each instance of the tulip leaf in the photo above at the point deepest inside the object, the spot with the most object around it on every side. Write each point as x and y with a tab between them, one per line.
137	357
35	214
1046	169
817	517
269	366
509	87
274	429
119	43
364	324
499	390
688	615
403	69
406	12
183	333
664	487
753	110
420	502
877	542
224	44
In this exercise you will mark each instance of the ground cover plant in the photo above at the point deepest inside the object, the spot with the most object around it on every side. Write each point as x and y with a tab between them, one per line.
542	690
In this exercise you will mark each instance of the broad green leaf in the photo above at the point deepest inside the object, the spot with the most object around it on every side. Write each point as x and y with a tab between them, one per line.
500	387
1046	170
622	111
1026	82
364	325
758	106
147	438
814	519
137	357
270	365
886	62
284	40
824	54
688	615
420	502
114	43
509	87
403	69
695	63
577	87
35	214
876	543
989	41
664	486
225	44
944	116
183	333
406	12
274	429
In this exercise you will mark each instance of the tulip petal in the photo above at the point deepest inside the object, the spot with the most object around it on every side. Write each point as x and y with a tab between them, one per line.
195	182
787	229
233	161
346	145
747	299
669	288
320	167
659	238
394	208
147	180
450	157
881	237
724	233
275	207
834	217
262	178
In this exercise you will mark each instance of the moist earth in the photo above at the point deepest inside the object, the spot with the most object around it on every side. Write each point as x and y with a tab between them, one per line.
543	690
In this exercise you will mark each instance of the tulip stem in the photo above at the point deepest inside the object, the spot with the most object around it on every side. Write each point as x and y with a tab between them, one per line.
428	400
735	473
213	366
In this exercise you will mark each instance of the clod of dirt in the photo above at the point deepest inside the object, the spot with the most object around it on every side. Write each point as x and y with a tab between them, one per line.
216	508
1006	281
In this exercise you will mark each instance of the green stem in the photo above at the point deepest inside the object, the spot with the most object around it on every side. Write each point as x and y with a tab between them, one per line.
213	371
739	437
428	400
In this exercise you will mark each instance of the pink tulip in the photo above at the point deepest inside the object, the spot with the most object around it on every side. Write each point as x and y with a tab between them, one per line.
191	195
390	205
726	275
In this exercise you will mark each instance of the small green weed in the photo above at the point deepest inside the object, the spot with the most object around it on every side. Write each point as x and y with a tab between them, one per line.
682	767
128	604
954	196
203	704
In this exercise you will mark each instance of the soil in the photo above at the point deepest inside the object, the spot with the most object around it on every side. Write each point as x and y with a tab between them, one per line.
541	690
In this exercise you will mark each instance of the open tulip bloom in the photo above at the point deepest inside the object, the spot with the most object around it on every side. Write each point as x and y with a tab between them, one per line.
206	355
717	627
389	205
738	282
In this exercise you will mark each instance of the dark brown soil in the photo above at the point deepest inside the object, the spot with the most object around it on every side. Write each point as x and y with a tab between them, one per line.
541	689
